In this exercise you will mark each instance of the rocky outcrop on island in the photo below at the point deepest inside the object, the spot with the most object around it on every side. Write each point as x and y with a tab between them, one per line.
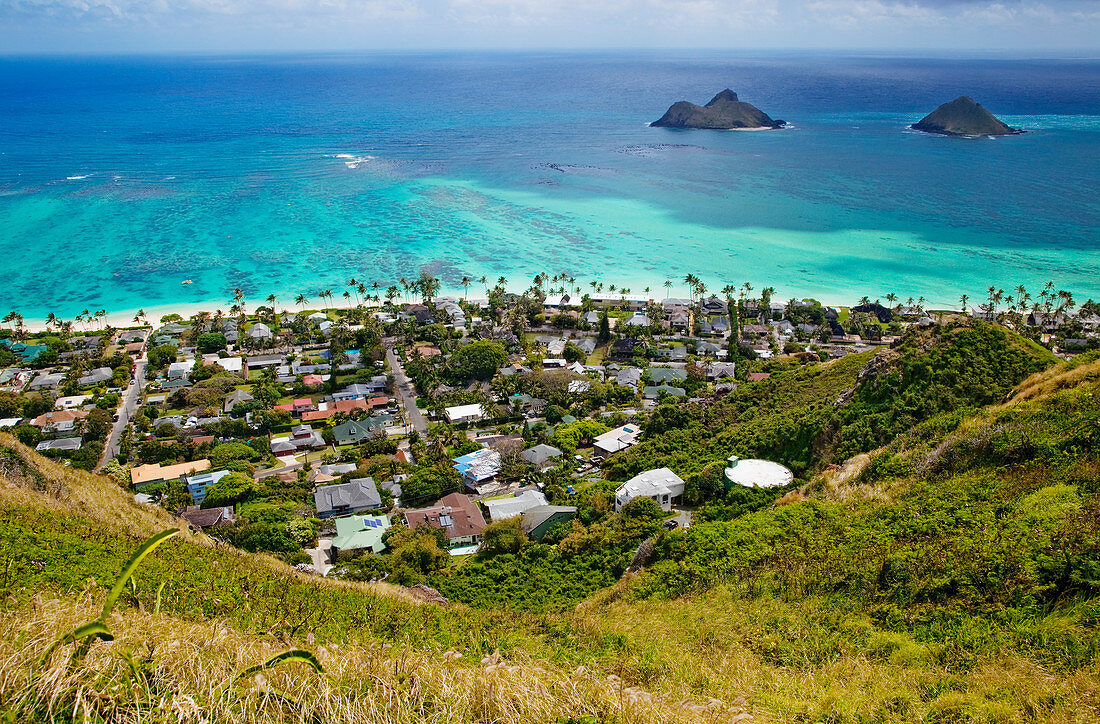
724	112
963	117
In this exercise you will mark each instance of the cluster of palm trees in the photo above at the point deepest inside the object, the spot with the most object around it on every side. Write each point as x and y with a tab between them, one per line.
1051	302
86	319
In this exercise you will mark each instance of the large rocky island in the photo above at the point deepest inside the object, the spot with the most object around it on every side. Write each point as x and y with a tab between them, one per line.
724	112
963	117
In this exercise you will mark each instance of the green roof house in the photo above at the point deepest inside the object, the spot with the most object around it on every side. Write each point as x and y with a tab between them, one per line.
360	532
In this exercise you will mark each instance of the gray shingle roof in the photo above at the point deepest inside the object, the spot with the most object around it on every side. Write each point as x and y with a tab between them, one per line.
358	494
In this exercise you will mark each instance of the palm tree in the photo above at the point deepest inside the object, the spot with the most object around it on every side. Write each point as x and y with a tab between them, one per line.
668	288
466	286
691	280
892	298
964	301
301	300
51	320
428	285
502	282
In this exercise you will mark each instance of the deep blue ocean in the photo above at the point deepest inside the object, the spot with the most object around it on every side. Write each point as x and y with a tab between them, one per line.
122	177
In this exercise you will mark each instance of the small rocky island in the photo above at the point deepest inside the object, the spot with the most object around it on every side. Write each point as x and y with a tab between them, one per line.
724	112
963	117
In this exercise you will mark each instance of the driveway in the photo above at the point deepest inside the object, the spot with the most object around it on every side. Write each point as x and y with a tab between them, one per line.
128	407
683	518
406	391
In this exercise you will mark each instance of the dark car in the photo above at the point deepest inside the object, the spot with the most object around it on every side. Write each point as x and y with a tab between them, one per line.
670	524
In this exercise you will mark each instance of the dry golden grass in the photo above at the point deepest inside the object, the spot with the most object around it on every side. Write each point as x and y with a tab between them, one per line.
1053	379
727	647
162	669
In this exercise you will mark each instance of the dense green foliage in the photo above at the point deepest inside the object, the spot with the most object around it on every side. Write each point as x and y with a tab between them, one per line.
477	360
812	416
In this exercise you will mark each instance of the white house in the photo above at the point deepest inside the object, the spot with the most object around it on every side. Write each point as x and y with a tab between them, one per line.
464	413
662	485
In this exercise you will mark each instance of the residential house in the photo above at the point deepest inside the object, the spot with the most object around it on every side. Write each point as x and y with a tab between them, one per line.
354	432
457	515
716	326
718	370
629	377
151	474
464	413
592	318
237	397
203	518
65	443
360	533
616	440
259	330
713	305
348	498
662	485
676	305
625	348
47	380
679	321
510	507
197	484
653	392
479	467
71	402
96	376
180	370
538	520
58	420
302	437
660	375
542	456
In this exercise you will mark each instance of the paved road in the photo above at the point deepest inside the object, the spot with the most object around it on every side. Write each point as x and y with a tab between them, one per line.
129	406
405	391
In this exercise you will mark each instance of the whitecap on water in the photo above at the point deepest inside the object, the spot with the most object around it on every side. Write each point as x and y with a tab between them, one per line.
76	178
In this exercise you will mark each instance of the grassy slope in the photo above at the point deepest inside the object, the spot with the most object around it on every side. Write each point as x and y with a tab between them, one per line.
951	576
65	535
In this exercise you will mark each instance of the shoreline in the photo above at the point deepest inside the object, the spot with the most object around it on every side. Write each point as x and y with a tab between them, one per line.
124	319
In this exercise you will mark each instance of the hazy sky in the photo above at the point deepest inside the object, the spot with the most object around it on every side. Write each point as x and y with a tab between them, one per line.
30	26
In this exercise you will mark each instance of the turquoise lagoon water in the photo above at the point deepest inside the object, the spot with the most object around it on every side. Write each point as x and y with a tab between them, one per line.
120	178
